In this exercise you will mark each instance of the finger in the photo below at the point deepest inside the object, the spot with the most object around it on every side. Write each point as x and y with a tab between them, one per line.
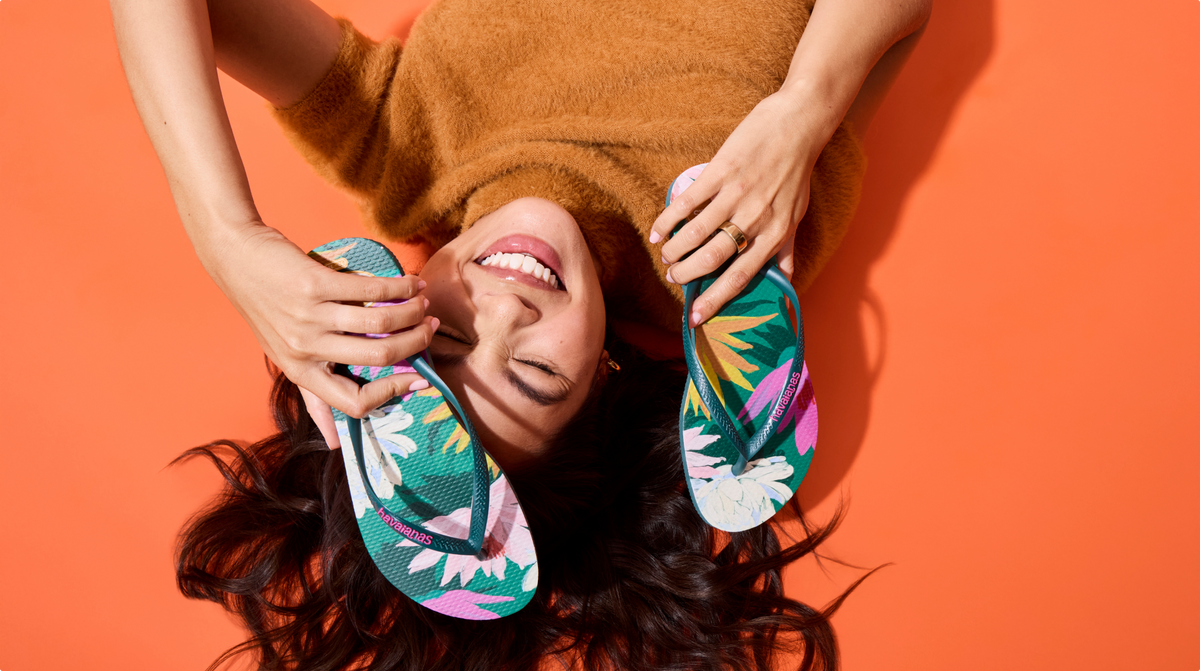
348	287
345	395
685	205
355	350
703	261
727	286
322	416
787	256
379	319
698	230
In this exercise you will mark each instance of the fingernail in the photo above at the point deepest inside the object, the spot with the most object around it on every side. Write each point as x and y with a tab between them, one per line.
669	279
654	237
418	385
665	261
435	323
421	285
696	318
426	303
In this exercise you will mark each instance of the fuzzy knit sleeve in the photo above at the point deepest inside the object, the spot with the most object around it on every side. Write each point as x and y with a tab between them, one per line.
361	128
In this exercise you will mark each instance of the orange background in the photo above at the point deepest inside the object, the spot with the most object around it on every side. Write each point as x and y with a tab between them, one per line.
1005	350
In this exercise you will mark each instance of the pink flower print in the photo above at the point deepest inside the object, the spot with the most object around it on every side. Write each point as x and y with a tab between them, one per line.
463	604
803	408
507	538
699	465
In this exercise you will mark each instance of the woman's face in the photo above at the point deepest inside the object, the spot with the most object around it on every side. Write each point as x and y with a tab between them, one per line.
520	352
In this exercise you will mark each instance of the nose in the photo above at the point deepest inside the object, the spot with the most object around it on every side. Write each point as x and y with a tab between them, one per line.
506	311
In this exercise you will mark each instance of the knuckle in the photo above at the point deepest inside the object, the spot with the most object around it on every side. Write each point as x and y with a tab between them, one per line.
296	345
375	292
377	356
357	408
373	322
711	258
736	279
310	285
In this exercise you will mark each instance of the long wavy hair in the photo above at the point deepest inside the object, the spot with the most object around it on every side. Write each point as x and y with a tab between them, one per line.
630	576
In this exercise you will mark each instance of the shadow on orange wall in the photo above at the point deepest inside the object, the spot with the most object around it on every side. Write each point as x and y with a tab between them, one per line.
845	323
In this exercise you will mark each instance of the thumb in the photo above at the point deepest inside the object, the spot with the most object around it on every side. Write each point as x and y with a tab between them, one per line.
322	415
787	255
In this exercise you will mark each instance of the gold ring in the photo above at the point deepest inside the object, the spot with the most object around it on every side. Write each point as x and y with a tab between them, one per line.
734	233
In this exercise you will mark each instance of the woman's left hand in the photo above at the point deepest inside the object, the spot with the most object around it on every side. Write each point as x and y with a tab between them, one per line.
759	181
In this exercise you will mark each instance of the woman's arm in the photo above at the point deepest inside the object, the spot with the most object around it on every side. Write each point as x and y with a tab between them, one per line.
760	177
298	309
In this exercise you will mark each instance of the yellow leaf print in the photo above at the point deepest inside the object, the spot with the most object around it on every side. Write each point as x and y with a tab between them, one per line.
459	436
692	400
715	345
442	411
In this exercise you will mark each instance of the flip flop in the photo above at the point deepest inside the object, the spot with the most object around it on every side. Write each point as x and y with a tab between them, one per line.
438	518
748	421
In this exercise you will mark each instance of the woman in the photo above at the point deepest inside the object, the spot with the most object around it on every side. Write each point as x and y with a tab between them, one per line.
428	170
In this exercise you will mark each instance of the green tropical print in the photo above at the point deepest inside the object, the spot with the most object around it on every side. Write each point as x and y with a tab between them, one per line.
745	353
419	462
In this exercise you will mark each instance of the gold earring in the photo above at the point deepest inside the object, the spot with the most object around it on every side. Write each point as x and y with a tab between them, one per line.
613	365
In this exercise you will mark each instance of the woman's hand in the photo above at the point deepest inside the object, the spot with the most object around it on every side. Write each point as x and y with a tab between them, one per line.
306	315
759	181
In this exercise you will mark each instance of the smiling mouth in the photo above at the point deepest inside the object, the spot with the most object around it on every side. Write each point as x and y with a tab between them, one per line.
523	263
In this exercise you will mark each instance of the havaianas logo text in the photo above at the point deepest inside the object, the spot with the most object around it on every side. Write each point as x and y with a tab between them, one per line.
401	527
793	384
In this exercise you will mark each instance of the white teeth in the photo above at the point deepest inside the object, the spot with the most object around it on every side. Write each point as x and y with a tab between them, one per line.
524	263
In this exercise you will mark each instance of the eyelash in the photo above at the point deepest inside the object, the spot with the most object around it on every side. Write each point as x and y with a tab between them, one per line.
539	366
534	364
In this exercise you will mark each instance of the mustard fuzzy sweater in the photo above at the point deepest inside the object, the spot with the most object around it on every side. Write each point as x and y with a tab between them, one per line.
594	106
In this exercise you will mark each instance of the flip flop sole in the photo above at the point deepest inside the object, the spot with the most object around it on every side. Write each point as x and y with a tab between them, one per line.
746	353
419	462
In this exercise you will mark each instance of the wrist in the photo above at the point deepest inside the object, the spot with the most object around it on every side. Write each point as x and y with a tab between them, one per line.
816	103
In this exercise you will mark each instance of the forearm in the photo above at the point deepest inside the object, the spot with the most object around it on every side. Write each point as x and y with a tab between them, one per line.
167	50
843	41
279	48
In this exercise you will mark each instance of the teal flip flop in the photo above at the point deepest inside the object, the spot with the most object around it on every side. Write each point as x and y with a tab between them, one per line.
748	421
436	513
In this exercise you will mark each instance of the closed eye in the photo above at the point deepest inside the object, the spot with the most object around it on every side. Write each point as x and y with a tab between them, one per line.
540	366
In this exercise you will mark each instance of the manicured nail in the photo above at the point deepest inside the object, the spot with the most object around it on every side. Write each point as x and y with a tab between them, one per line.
696	318
669	279
421	285
426	303
665	261
435	323
418	385
654	237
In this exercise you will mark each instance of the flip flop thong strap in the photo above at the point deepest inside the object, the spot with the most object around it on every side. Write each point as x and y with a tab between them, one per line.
751	446
414	531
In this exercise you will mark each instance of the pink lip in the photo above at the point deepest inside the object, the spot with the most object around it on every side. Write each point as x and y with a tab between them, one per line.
525	244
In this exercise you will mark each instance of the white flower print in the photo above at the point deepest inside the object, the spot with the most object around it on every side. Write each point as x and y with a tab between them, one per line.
507	538
383	441
739	502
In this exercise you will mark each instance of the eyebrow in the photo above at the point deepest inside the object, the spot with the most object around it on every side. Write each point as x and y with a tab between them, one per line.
528	391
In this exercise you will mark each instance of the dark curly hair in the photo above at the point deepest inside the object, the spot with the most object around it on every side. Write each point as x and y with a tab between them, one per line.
630	576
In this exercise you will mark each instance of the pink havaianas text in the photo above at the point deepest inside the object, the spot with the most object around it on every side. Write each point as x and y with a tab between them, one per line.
803	410
403	528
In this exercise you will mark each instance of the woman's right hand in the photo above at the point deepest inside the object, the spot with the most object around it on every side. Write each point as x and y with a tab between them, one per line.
306	316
